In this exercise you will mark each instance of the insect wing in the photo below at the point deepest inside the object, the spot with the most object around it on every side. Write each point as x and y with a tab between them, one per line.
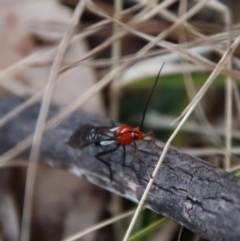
81	137
88	134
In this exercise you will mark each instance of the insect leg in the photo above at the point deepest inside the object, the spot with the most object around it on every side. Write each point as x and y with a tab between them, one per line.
150	133
141	161
124	155
105	162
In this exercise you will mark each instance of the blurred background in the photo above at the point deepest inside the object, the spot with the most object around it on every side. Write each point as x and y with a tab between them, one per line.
121	44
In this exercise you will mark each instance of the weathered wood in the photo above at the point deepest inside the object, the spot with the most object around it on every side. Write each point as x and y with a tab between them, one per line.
201	197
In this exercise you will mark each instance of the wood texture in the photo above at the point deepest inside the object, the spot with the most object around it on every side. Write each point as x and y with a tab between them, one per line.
199	196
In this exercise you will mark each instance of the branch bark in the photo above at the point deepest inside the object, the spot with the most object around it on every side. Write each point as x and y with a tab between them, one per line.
194	193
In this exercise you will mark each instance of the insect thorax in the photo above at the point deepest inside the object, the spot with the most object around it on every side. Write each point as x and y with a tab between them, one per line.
103	136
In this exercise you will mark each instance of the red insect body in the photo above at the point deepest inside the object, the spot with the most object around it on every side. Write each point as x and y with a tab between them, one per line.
127	135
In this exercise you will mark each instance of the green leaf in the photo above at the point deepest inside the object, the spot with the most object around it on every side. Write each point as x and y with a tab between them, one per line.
152	227
176	80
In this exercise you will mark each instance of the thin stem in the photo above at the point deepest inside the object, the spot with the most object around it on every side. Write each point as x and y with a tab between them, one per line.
35	151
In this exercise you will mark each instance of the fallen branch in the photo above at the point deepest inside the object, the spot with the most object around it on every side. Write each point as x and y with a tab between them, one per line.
199	196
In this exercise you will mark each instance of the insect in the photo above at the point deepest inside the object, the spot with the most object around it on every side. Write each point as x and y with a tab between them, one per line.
116	136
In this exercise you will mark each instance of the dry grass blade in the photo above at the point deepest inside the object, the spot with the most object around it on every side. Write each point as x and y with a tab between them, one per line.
225	58
99	226
35	151
197	59
189	84
229	89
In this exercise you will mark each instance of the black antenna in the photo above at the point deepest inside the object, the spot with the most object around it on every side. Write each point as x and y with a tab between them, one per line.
145	109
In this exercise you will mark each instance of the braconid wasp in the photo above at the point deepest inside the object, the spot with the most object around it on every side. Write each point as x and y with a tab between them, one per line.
118	136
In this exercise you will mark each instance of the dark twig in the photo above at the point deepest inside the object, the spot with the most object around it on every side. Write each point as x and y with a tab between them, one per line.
199	196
